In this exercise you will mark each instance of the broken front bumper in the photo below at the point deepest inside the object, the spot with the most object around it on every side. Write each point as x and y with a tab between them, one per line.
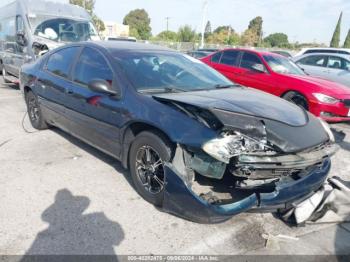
180	200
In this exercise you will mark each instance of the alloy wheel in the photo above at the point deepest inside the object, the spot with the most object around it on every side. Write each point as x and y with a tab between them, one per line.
150	169
33	109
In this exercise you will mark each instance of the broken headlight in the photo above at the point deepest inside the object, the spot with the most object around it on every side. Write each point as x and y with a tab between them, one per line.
230	145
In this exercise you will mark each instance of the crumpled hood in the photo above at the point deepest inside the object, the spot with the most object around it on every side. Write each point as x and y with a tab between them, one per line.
243	101
331	88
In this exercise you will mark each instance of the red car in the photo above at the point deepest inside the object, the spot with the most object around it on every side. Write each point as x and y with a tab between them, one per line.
278	75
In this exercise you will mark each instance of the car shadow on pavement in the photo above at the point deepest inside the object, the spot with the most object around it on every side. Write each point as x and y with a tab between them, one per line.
339	136
71	232
14	87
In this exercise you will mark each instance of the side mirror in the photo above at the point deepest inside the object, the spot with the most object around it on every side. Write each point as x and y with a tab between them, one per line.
21	38
258	68
101	86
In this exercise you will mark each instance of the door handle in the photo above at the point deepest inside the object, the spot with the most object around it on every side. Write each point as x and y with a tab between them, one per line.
69	91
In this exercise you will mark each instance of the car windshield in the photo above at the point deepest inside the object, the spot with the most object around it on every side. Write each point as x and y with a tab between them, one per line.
63	29
282	65
169	72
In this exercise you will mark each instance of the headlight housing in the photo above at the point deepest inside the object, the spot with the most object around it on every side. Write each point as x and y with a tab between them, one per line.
328	130
230	145
326	99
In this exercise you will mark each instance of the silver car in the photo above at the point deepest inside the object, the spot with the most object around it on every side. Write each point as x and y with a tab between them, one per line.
334	67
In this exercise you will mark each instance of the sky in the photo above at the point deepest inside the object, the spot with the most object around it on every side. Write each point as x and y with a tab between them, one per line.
301	20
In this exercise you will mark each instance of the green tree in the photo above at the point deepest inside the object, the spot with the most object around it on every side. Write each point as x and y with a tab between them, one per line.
207	31
255	26
249	38
223	28
89	6
277	40
140	21
224	35
167	36
347	40
336	35
186	34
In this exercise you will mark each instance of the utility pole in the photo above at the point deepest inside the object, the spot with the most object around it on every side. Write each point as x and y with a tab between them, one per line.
167	23
204	16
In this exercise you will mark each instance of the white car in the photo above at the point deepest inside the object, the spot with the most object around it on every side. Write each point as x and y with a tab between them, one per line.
334	67
328	50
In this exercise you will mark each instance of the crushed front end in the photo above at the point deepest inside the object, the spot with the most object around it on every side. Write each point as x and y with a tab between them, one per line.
253	164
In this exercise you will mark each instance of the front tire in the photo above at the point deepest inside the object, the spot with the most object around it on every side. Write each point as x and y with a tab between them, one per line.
34	112
148	153
4	74
297	98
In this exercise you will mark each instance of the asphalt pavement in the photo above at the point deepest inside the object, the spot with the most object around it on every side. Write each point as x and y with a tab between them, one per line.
61	196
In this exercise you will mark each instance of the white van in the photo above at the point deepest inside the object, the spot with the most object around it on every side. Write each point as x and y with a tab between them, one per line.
30	28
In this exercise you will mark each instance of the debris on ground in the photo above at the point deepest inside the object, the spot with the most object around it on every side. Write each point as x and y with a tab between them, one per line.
330	204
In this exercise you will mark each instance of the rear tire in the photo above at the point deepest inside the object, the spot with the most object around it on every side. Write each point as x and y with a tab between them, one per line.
148	153
297	98
34	112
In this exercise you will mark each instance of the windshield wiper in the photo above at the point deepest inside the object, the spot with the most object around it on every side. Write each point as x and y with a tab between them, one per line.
163	89
225	86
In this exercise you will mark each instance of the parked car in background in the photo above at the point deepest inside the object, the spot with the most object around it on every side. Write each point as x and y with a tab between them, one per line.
29	28
125	39
200	53
334	67
280	76
330	50
282	52
196	145
1	56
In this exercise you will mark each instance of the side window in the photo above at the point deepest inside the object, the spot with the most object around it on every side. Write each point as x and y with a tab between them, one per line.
229	58
249	60
313	61
59	63
216	57
334	62
345	64
92	65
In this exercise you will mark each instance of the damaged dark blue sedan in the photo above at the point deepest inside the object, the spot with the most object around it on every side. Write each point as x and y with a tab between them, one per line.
196	144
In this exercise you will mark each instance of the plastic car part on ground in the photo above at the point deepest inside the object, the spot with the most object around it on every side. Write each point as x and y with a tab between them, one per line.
333	196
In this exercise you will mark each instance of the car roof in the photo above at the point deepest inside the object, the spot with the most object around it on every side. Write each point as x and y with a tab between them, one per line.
261	52
347	57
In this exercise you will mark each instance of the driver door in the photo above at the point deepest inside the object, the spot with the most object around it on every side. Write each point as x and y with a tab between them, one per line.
252	78
94	117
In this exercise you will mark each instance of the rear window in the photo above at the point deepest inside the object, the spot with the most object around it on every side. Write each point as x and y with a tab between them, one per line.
216	57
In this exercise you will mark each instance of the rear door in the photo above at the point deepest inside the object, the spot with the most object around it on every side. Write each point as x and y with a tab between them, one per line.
315	65
228	65
94	117
338	70
53	81
249	77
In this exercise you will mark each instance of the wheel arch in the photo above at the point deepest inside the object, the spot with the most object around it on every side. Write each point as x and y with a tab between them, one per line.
131	131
